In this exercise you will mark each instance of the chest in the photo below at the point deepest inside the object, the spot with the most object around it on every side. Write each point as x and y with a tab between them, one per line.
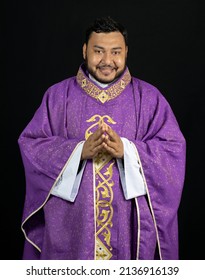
83	114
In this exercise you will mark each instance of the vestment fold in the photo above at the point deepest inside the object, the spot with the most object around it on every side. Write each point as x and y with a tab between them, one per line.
101	222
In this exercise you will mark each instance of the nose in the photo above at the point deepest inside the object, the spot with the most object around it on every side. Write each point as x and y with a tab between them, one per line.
107	58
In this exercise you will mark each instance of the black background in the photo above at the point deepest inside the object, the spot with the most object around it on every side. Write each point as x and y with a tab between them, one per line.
42	45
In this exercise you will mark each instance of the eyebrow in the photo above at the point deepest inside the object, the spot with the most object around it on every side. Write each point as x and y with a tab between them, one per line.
99	47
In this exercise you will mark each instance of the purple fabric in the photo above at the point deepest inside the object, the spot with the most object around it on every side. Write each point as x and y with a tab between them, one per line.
66	230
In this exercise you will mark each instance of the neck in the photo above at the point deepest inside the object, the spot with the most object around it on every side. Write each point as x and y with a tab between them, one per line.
103	85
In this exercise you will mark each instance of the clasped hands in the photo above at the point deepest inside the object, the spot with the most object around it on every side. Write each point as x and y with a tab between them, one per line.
103	139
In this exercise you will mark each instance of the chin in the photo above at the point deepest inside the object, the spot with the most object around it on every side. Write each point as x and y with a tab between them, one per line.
105	81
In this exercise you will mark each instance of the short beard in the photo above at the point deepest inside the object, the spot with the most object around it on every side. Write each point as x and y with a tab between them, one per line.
102	80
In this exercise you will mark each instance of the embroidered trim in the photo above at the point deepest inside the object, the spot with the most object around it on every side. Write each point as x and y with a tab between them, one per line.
106	94
94	201
138	230
103	171
104	208
96	119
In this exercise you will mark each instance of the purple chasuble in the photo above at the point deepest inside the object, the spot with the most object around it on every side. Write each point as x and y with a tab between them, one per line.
101	223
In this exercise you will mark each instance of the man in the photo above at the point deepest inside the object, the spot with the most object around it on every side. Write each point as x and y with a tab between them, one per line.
104	162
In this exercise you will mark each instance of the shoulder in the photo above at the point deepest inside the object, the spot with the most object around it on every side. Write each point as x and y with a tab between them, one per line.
61	86
56	94
58	91
144	86
147	91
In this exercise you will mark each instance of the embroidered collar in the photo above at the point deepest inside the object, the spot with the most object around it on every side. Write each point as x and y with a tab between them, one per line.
103	95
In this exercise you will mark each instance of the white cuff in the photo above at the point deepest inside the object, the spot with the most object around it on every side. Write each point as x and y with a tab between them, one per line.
68	184
130	174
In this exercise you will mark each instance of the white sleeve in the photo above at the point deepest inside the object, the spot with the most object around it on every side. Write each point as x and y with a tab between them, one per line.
68	183
130	173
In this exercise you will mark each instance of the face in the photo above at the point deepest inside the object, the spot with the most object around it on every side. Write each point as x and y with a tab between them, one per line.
105	56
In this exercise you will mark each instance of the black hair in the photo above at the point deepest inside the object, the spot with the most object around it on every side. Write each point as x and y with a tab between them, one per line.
106	25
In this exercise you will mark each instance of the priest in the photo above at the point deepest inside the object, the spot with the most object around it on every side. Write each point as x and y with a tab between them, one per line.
104	162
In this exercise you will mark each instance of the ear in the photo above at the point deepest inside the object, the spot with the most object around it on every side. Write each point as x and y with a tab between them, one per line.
84	50
126	50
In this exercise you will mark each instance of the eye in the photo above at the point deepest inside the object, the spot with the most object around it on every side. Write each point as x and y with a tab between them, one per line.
116	52
98	51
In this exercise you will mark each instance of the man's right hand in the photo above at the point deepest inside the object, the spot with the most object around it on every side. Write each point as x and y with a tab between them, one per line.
94	144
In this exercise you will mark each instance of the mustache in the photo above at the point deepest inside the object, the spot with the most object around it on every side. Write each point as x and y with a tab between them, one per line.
103	66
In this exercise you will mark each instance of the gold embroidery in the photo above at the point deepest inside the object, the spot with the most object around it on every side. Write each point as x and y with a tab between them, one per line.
103	167
83	83
106	94
102	253
103	96
104	209
94	119
122	84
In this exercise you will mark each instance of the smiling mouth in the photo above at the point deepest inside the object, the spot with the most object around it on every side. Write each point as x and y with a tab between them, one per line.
106	70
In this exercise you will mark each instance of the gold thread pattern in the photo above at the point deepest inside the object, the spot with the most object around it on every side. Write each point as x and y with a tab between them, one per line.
104	211
97	119
106	94
103	167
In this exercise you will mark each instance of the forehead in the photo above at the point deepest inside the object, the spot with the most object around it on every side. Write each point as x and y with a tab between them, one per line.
111	39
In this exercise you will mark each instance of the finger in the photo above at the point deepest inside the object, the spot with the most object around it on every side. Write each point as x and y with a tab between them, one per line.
109	142
102	126
112	140
112	151
113	136
91	148
96	135
98	148
98	141
115	147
